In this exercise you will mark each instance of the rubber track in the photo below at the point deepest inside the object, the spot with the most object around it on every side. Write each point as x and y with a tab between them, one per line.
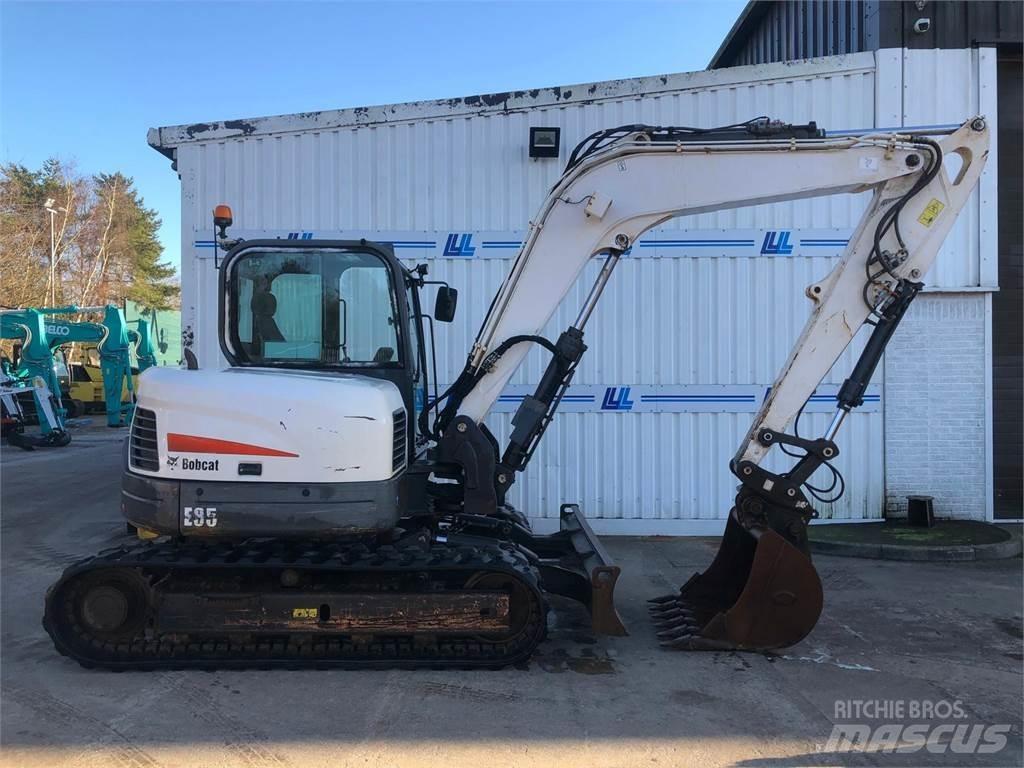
156	560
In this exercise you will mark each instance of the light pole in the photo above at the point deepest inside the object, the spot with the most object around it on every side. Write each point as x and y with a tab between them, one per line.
49	207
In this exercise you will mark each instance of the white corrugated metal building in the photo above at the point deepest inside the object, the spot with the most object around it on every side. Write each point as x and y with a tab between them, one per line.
695	322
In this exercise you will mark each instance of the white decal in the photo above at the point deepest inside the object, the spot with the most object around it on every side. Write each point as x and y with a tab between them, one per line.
199	517
869	163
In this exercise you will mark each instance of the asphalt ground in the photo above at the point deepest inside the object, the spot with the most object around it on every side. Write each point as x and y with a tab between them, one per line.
938	645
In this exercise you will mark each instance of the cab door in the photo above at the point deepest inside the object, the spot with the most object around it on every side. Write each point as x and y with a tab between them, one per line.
417	363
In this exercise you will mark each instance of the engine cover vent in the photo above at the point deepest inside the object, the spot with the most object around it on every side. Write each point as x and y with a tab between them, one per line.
398	454
142	445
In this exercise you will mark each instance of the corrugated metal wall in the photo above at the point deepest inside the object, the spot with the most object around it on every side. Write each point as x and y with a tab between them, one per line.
942	86
783	30
939	86
955	24
692	319
1008	303
787	31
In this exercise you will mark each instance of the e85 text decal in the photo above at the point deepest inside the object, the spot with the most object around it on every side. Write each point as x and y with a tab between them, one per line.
199	517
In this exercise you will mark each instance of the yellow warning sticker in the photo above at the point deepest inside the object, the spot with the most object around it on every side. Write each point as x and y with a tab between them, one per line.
305	613
931	212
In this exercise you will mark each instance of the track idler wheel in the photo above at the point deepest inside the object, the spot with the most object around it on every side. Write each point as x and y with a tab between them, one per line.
760	593
102	608
519	599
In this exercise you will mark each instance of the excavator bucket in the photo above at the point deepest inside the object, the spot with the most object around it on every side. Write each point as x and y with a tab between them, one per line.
760	593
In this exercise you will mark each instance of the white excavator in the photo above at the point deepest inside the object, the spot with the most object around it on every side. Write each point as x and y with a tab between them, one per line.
319	504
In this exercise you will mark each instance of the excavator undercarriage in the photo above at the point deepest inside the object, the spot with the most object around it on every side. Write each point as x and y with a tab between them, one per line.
459	600
268	604
316	504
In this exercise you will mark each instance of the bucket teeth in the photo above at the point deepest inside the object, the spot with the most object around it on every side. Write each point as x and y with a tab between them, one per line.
661	618
656	601
671	614
658	610
676	619
677	631
679	610
760	592
663	610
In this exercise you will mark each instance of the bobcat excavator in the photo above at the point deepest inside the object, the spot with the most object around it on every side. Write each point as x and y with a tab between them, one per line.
310	506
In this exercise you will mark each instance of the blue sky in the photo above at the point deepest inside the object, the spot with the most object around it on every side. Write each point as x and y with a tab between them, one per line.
85	80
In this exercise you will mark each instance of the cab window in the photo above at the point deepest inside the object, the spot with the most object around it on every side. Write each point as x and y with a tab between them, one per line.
313	308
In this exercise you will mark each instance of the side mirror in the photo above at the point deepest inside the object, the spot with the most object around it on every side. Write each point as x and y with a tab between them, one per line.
444	305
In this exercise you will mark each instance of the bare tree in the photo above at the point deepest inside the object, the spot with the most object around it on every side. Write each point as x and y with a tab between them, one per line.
105	247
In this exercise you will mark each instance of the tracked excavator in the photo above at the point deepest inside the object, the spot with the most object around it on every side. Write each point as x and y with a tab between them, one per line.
313	506
35	372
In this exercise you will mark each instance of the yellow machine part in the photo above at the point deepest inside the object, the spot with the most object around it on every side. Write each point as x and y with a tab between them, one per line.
87	384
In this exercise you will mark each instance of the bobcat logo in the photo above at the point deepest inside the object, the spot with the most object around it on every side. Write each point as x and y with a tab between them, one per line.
172	461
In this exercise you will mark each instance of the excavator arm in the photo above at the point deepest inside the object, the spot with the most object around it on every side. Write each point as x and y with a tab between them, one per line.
621	183
142	341
113	343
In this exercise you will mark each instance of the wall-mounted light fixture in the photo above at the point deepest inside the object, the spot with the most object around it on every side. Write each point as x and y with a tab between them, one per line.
544	142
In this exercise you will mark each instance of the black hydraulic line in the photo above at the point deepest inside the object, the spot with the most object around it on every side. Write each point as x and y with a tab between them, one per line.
851	394
890	220
535	412
757	128
510	342
453	396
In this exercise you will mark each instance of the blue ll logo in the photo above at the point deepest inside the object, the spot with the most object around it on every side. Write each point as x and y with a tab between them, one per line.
776	247
616	399
458	244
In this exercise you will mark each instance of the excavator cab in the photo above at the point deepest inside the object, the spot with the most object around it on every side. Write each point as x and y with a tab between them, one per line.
312	430
332	306
328	306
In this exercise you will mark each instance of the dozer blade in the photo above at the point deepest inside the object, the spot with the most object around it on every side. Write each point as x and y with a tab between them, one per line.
575	564
760	593
599	565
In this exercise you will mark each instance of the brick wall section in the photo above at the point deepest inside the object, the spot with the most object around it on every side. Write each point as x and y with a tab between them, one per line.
935	406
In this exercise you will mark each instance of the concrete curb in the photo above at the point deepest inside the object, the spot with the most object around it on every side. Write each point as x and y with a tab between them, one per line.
998	550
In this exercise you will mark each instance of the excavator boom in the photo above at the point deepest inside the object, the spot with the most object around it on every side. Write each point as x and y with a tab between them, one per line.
761	591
